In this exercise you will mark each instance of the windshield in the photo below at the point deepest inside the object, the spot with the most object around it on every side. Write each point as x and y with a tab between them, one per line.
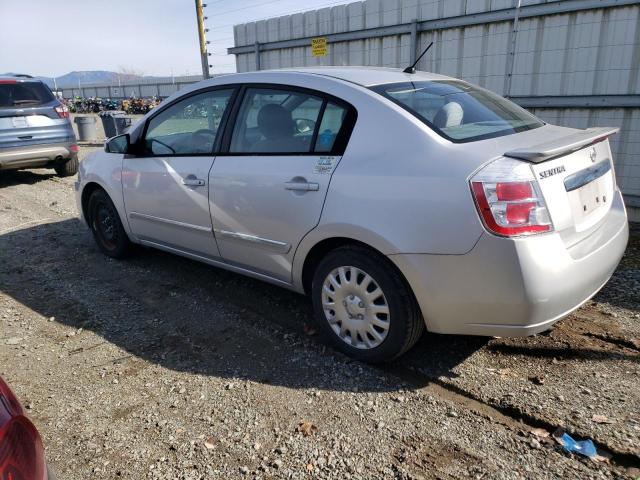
458	111
23	94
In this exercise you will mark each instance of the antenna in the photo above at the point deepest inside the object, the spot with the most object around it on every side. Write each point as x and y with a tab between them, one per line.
412	68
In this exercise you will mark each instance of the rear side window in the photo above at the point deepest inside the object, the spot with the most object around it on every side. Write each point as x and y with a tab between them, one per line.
276	121
332	121
23	94
458	111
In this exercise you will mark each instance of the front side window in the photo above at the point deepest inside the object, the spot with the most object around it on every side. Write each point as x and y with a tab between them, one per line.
458	111
276	121
188	127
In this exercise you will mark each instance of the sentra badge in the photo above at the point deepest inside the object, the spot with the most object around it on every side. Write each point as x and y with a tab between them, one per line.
552	171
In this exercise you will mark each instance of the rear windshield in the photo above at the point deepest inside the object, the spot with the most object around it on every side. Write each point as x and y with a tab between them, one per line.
458	111
24	94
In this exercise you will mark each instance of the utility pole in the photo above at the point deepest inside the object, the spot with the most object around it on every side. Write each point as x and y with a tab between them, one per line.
204	56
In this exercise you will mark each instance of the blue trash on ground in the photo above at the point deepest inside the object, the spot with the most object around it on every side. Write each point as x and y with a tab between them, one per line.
582	447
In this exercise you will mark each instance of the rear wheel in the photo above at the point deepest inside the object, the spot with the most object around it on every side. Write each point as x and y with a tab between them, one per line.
364	306
106	226
68	168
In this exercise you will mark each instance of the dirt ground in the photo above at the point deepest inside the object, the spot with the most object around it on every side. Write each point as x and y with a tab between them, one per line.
160	367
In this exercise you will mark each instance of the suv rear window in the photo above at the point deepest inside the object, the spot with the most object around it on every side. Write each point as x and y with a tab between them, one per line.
23	94
458	111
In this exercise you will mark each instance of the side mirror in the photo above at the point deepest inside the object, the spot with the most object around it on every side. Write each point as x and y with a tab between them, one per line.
119	144
304	125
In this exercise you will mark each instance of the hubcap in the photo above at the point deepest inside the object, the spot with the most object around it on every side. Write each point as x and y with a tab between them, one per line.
355	307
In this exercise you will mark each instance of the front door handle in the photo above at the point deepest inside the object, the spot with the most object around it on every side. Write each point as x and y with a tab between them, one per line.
302	186
192	181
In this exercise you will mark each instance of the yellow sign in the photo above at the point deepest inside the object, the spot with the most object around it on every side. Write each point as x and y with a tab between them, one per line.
319	47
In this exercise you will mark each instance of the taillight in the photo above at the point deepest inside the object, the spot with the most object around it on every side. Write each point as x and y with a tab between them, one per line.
74	148
509	200
9	404
62	111
21	451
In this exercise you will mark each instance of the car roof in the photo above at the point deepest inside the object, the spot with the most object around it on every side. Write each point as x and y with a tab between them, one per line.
368	76
19	77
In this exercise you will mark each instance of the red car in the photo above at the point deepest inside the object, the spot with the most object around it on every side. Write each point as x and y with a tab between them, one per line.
21	450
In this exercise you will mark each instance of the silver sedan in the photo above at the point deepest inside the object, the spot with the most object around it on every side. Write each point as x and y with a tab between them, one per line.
397	201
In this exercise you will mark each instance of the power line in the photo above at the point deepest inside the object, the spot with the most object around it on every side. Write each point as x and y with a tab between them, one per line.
247	7
342	2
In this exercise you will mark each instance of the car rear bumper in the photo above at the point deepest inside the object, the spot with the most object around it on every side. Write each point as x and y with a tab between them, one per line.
514	287
35	155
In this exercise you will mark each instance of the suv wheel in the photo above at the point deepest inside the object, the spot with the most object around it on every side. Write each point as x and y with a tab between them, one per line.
68	168
106	226
364	306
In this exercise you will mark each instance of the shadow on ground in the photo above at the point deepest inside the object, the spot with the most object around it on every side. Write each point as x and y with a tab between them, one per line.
188	316
622	289
9	178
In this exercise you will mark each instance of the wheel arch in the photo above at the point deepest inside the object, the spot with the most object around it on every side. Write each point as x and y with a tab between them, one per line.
96	182
318	252
88	189
321	248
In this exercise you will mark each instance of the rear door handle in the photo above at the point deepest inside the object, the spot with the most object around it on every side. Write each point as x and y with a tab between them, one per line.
192	181
302	186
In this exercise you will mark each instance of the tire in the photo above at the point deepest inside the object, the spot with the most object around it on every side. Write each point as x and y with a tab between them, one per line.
106	226
68	168
359	307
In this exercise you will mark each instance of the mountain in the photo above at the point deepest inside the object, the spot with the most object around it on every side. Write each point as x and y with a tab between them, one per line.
87	77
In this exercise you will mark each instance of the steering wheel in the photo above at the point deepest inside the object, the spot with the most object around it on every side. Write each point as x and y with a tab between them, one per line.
202	140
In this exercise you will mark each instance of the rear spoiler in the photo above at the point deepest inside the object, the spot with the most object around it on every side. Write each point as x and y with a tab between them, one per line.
562	146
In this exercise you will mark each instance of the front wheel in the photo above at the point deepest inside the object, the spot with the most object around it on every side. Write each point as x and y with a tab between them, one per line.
106	226
364	306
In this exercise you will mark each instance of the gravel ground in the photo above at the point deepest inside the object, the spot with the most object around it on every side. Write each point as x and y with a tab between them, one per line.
160	367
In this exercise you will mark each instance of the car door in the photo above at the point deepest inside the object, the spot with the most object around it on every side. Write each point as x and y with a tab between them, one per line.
165	186
267	191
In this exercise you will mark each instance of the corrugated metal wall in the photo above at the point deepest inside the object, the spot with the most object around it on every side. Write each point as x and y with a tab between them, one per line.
592	52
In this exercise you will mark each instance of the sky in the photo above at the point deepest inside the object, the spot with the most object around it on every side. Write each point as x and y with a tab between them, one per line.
152	37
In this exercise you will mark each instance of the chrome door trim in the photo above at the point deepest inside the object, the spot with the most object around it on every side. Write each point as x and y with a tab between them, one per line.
275	245
588	175
169	222
217	263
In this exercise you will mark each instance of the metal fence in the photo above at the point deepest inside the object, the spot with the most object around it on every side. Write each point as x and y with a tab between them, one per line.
572	62
154	87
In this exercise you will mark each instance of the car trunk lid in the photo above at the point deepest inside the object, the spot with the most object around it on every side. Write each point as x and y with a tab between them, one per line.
28	115
24	126
576	177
